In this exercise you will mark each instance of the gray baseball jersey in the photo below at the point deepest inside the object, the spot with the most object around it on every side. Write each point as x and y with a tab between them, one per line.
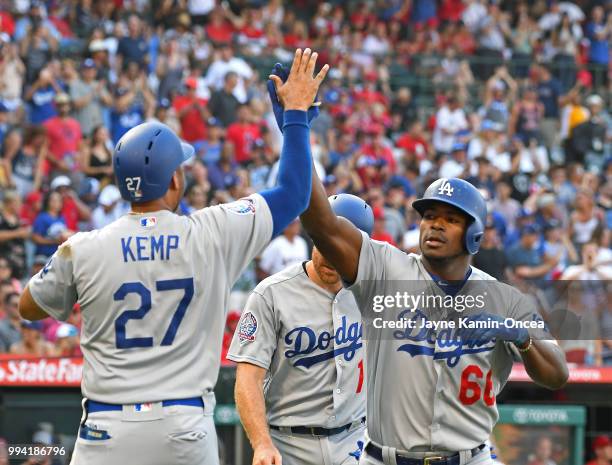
153	290
428	390
310	341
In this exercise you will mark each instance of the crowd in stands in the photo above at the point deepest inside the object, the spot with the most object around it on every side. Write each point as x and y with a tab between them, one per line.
511	95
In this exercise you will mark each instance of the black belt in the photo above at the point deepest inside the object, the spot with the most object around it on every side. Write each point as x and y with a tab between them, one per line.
376	452
316	430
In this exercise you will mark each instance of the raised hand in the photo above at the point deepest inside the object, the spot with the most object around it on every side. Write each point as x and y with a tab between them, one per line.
298	92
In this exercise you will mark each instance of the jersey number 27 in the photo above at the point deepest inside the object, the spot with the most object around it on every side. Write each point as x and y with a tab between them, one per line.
121	339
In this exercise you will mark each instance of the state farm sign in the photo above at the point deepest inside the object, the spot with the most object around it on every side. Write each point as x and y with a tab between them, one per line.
41	372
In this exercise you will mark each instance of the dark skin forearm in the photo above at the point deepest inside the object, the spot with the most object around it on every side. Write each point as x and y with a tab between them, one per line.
336	238
545	364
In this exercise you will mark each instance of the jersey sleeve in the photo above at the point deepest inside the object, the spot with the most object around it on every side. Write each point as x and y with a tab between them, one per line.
525	310
371	265
254	340
241	229
53	288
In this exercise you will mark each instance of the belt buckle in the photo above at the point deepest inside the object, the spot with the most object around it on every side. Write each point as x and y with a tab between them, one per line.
313	431
428	460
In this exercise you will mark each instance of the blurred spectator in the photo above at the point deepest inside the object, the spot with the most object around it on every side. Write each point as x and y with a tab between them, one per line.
526	116
133	48
456	164
588	138
284	250
13	234
32	342
12	76
73	209
97	156
543	452
67	341
49	229
132	100
64	135
549	91
41	94
450	119
557	243
223	173
243	134
596	265
526	260
602	447
192	113
164	113
223	104
110	207
599	32
10	326
379	231
89	98
27	158
585	219
404	109
224	62
210	149
491	257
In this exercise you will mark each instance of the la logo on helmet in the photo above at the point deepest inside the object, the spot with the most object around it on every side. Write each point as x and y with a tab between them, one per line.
445	188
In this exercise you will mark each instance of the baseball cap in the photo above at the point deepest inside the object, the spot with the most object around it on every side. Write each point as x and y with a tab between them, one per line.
88	63
60	181
601	441
212	121
594	100
329	179
545	199
531	228
36	325
553	223
62	98
41	260
379	213
97	45
109	195
164	103
458	147
66	330
191	82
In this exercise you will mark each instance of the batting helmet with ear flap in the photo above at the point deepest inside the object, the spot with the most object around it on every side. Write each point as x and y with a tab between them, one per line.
354	209
463	196
145	159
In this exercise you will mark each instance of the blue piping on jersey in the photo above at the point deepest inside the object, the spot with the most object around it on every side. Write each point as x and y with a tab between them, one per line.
291	196
448	288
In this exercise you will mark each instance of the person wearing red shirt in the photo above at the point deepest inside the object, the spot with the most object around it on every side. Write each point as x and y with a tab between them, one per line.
379	233
73	209
602	446
243	134
192	112
378	149
414	142
219	29
64	135
369	93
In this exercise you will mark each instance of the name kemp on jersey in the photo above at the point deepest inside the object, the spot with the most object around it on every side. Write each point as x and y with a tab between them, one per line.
148	248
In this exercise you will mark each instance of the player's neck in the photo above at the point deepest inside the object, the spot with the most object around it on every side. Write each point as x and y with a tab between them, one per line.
315	278
152	206
449	269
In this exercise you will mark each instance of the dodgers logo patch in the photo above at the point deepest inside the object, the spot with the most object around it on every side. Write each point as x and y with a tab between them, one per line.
148	222
242	207
247	328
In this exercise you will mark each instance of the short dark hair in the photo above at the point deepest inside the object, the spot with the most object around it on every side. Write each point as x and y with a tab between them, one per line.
9	296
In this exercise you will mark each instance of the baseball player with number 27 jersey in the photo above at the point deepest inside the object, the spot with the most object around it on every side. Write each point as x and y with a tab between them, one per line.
154	287
431	391
299	344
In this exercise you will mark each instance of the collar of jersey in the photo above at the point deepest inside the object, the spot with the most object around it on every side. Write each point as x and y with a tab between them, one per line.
448	288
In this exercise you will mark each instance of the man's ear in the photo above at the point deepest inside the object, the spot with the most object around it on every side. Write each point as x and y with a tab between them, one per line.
175	182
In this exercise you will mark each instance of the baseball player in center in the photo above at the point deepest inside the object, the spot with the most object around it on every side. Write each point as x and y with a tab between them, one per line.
299	342
431	394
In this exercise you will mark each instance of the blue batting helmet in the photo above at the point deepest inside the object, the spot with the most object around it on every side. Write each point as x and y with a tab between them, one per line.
354	209
462	195
145	159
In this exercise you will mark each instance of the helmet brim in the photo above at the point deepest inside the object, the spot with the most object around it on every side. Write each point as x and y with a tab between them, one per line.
188	151
421	205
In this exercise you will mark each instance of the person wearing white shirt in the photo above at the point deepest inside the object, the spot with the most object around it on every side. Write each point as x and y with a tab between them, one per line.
226	62
110	207
285	250
450	119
